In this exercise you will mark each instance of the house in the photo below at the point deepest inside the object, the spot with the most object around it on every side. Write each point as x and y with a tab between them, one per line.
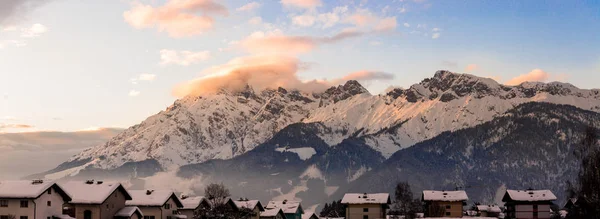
310	216
488	210
156	204
275	213
291	209
129	213
444	203
94	199
253	205
366	206
528	203
35	199
191	205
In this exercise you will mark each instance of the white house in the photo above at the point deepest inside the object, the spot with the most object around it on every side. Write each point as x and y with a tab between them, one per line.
444	203
129	213
156	204
35	199
291	209
94	199
192	205
363	206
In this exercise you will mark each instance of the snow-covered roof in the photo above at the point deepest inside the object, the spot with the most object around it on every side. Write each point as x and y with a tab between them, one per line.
129	211
489	208
152	198
250	204
29	189
90	192
180	216
271	212
357	198
309	215
529	195
448	196
288	207
191	203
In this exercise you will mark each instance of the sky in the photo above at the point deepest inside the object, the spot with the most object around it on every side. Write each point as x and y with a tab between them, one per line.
72	65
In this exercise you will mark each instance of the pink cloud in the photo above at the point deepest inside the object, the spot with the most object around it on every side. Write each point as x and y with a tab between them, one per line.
177	17
302	3
471	67
277	43
536	75
262	72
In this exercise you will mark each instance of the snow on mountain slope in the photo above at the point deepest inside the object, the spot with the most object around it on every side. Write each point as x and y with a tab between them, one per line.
221	126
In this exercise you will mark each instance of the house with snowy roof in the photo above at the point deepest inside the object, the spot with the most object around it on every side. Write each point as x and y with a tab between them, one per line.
444	203
366	206
310	215
291	209
156	204
94	199
528	203
129	213
32	199
244	204
275	213
192	205
488	210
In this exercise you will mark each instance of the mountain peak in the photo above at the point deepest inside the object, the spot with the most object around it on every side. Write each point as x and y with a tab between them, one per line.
342	92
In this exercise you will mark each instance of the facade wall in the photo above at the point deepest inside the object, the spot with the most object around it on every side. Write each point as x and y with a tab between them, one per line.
256	213
151	211
374	211
168	212
36	209
527	211
450	209
80	211
112	204
187	212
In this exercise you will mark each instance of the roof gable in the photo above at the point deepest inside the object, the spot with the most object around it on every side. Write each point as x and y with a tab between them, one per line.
29	189
90	192
129	211
288	207
191	203
528	196
249	204
152	198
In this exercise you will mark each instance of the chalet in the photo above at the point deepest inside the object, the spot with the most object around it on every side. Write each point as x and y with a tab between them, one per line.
35	199
310	216
444	203
275	213
192	205
253	205
488	210
291	209
366	206
528	203
94	199
156	204
129	213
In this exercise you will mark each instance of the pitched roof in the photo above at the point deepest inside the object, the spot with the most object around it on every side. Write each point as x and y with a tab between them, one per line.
528	195
191	203
357	198
29	189
271	212
309	215
288	207
250	204
129	211
152	198
90	192
489	208
449	196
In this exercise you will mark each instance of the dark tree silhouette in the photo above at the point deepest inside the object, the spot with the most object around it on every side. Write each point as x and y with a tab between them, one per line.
335	209
587	189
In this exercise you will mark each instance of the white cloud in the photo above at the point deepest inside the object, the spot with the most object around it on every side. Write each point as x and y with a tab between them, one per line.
436	29
134	93
255	20
185	58
406	24
249	7
143	77
303	20
435	35
34	31
402	9
307	4
9	28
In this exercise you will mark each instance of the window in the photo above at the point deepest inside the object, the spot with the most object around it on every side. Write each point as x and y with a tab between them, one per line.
167	206
24	204
87	214
3	216
148	217
49	191
4	203
23	217
49	203
447	213
365	210
365	217
448	206
535	214
106	206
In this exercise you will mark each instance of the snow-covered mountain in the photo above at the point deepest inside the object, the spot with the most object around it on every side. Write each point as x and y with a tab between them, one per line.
196	129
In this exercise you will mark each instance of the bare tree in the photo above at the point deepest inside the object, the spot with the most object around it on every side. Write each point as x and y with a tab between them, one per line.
216	194
587	190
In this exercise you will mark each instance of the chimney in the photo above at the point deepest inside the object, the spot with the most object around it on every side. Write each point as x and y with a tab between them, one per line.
89	182
149	192
99	182
365	195
284	201
183	197
37	181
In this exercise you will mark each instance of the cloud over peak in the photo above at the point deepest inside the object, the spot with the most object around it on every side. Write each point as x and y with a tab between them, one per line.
306	4
178	18
278	43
